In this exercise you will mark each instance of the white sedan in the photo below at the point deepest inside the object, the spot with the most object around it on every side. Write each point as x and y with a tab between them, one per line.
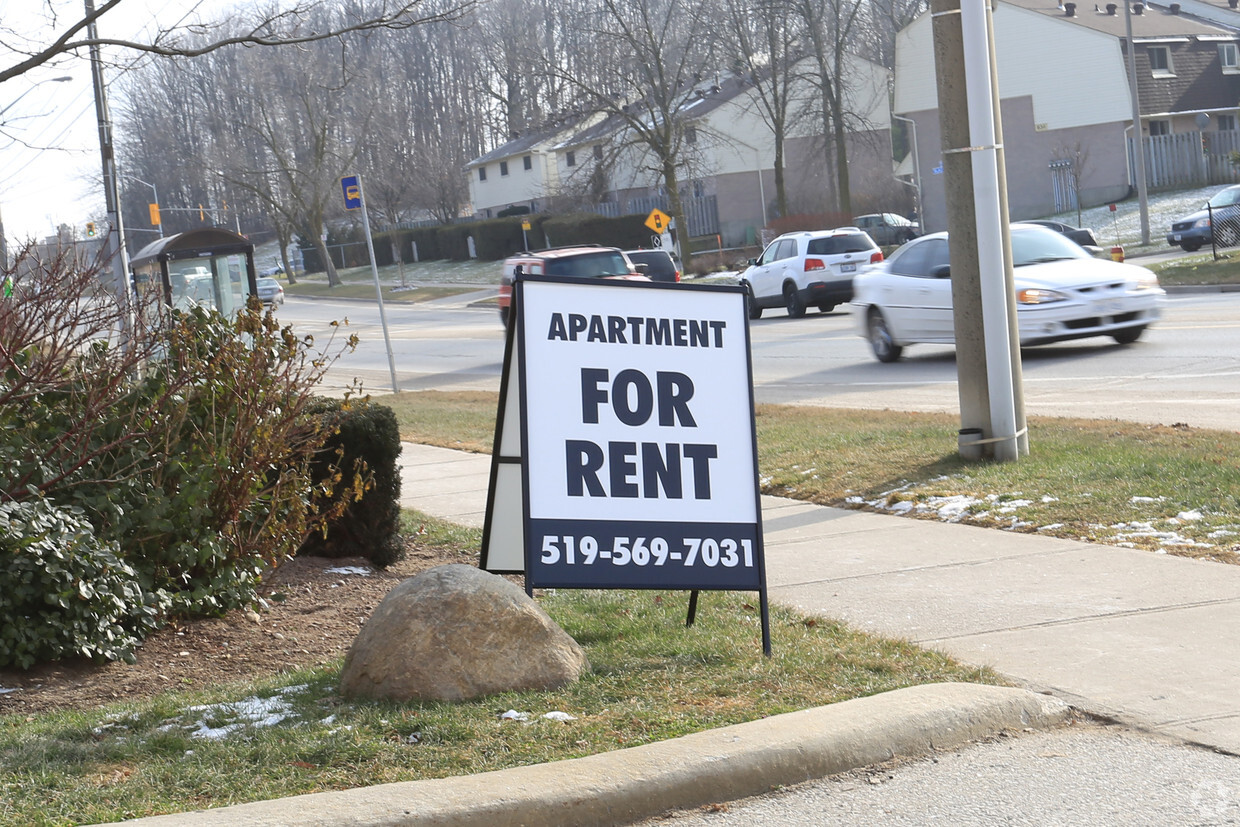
1062	293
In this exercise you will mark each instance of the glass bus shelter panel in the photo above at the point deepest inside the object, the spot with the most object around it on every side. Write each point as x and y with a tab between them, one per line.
214	282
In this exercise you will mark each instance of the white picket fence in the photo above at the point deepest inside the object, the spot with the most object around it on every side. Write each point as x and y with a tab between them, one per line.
1188	159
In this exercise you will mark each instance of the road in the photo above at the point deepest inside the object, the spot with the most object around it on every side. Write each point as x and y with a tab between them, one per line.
1184	370
1081	775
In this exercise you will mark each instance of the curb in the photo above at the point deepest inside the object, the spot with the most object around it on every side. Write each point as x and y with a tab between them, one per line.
623	786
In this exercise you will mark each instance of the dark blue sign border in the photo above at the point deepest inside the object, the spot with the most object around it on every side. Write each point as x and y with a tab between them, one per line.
604	572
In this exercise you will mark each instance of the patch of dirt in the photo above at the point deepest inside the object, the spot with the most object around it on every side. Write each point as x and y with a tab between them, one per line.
313	611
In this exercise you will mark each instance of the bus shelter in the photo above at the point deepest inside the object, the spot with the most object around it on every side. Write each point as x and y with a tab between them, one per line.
211	268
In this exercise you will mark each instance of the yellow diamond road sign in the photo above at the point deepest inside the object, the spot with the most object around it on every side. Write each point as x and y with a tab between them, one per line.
658	220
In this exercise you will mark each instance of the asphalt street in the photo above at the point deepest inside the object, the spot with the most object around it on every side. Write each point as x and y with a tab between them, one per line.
1078	775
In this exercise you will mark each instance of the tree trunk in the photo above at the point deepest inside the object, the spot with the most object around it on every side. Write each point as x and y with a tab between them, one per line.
329	266
672	185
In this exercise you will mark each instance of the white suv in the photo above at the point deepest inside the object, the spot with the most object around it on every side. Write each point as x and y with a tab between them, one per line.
804	268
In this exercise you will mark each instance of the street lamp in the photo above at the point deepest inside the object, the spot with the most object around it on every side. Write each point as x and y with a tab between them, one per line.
34	86
154	199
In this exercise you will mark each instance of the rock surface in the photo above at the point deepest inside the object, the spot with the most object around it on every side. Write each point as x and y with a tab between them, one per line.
456	632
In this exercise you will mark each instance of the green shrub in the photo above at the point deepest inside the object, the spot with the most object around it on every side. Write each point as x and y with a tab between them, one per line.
587	228
63	592
427	239
359	463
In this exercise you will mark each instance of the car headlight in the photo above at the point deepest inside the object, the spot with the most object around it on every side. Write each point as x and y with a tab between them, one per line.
1039	295
1147	281
1202	222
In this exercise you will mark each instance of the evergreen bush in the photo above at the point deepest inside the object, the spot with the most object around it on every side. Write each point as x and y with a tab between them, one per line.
359	461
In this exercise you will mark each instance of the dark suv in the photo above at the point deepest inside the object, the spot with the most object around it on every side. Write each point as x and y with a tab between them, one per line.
582	261
660	266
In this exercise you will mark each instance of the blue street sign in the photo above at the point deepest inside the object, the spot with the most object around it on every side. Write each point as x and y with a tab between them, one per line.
352	189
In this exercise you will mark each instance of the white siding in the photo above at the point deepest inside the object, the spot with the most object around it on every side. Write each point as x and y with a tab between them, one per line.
1075	76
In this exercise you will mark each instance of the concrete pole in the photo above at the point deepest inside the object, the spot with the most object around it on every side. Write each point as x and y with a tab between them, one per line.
978	227
1138	140
114	244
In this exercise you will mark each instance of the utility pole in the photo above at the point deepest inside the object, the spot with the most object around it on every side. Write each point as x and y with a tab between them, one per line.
114	245
1138	140
987	340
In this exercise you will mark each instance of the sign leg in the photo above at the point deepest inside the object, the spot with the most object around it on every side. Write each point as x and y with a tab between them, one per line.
693	596
765	608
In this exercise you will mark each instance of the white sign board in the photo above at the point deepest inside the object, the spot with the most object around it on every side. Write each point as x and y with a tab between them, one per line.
638	457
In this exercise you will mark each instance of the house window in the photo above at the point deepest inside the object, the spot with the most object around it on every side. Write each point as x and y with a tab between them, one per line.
691	134
1227	55
482	173
598	152
527	163
1160	128
570	158
1226	123
503	168
1160	62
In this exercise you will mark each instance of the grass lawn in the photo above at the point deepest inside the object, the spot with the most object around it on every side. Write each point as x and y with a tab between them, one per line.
651	678
1164	488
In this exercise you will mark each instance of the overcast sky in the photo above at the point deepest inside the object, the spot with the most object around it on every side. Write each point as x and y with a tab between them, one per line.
50	167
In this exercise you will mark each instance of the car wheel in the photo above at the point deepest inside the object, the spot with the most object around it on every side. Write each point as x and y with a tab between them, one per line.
755	311
884	347
1191	248
1128	335
1227	236
793	302
825	308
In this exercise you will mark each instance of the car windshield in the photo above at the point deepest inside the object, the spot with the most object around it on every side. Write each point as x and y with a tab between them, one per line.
1226	198
607	263
836	244
268	283
1035	245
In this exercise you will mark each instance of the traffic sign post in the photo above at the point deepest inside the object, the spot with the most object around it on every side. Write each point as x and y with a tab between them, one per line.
351	186
661	223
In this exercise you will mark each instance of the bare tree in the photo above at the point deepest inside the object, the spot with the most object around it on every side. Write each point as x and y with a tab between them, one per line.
276	25
648	55
765	36
828	26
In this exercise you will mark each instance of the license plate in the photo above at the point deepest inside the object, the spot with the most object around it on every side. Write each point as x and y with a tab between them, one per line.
1175	237
1108	307
848	268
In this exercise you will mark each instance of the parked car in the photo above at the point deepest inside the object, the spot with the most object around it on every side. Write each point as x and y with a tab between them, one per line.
1080	235
582	261
887	228
659	264
1062	292
270	292
1192	232
808	268
277	270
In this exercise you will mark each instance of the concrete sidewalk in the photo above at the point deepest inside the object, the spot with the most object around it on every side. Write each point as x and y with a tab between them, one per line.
1147	639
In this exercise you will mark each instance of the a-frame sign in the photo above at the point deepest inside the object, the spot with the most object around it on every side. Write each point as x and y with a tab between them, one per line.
625	453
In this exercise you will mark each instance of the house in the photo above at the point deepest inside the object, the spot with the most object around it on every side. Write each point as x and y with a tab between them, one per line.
1066	104
727	179
523	172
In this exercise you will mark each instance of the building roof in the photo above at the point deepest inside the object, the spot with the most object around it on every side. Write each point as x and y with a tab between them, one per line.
523	142
1154	20
701	97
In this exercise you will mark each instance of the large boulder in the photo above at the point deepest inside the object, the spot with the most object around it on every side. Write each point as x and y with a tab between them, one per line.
456	632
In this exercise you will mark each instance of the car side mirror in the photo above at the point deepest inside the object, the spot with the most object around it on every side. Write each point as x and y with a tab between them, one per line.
943	271
641	268
753	262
